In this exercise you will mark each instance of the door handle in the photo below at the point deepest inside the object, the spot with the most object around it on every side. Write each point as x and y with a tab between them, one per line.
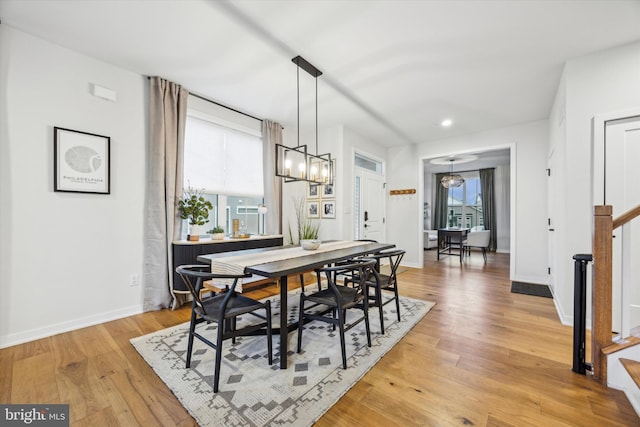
365	226
366	216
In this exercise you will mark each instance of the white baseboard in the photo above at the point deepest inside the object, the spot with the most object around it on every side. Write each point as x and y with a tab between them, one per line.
58	328
411	265
565	318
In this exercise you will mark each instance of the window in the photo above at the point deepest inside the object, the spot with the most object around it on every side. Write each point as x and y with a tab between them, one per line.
226	162
465	203
364	162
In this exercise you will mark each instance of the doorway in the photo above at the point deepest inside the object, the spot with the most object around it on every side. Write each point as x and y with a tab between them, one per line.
501	158
551	218
369	198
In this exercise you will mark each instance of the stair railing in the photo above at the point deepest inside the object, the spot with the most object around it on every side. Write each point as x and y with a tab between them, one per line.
602	310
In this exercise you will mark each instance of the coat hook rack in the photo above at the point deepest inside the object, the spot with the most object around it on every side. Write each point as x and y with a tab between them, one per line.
402	192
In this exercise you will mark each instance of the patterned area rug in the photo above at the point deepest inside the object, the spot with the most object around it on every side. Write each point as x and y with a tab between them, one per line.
252	393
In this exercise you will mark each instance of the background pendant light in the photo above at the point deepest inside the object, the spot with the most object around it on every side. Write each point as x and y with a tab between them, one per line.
296	163
452	180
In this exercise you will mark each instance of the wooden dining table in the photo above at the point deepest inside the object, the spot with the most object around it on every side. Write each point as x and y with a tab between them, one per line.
281	269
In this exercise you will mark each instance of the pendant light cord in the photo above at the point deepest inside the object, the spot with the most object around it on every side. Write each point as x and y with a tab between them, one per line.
316	115
298	98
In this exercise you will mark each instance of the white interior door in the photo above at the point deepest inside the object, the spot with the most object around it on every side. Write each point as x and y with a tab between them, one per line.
622	192
551	212
370	208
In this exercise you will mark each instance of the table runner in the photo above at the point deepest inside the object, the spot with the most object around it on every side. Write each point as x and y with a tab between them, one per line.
237	264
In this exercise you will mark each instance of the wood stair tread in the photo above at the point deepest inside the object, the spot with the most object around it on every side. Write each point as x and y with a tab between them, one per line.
621	344
633	368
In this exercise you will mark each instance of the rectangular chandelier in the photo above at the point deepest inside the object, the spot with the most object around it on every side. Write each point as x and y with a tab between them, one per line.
296	163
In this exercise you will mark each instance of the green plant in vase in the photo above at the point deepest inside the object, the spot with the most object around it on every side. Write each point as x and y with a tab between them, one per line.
217	233
308	229
195	209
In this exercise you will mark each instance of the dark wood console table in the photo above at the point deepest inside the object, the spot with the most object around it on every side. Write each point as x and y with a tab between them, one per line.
186	252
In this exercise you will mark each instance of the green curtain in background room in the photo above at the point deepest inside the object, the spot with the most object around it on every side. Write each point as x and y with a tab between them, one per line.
488	204
440	207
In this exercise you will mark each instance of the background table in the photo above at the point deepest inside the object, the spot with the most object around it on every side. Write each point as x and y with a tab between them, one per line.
445	234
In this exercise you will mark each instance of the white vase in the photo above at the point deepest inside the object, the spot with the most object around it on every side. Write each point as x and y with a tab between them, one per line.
310	244
194	232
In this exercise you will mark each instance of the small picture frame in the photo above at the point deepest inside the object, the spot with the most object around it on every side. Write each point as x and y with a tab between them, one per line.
328	209
82	162
313	191
328	191
313	210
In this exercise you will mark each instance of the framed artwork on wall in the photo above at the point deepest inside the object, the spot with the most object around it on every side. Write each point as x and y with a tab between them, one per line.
328	209
313	210
328	191
313	191
82	162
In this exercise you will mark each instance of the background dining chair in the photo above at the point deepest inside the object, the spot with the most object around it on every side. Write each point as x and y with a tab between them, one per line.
338	299
455	241
224	309
387	281
478	239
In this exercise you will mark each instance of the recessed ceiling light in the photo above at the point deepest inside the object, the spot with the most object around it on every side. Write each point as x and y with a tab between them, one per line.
446	123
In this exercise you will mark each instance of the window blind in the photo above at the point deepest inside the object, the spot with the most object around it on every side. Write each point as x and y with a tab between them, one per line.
221	160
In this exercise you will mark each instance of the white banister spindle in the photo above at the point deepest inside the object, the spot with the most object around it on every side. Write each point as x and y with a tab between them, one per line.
625	279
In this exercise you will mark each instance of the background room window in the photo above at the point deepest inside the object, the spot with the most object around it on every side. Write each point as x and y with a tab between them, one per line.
465	203
227	164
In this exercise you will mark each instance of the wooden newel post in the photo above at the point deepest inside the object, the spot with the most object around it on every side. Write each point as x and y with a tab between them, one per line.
601	326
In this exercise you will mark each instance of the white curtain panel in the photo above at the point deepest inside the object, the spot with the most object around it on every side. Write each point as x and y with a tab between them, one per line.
271	135
167	118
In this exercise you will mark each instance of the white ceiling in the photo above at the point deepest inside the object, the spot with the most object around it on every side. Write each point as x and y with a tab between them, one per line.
392	69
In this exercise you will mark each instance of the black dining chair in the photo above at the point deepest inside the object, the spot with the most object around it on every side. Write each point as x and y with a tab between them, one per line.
224	309
336	300
387	282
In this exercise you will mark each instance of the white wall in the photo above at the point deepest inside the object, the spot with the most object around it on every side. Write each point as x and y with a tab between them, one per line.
528	204
600	83
66	258
404	214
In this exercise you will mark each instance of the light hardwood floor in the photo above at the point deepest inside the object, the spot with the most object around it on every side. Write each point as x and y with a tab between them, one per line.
483	356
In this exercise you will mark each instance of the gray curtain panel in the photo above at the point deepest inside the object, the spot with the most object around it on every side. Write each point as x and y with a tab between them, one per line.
442	201
167	117
271	135
489	205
